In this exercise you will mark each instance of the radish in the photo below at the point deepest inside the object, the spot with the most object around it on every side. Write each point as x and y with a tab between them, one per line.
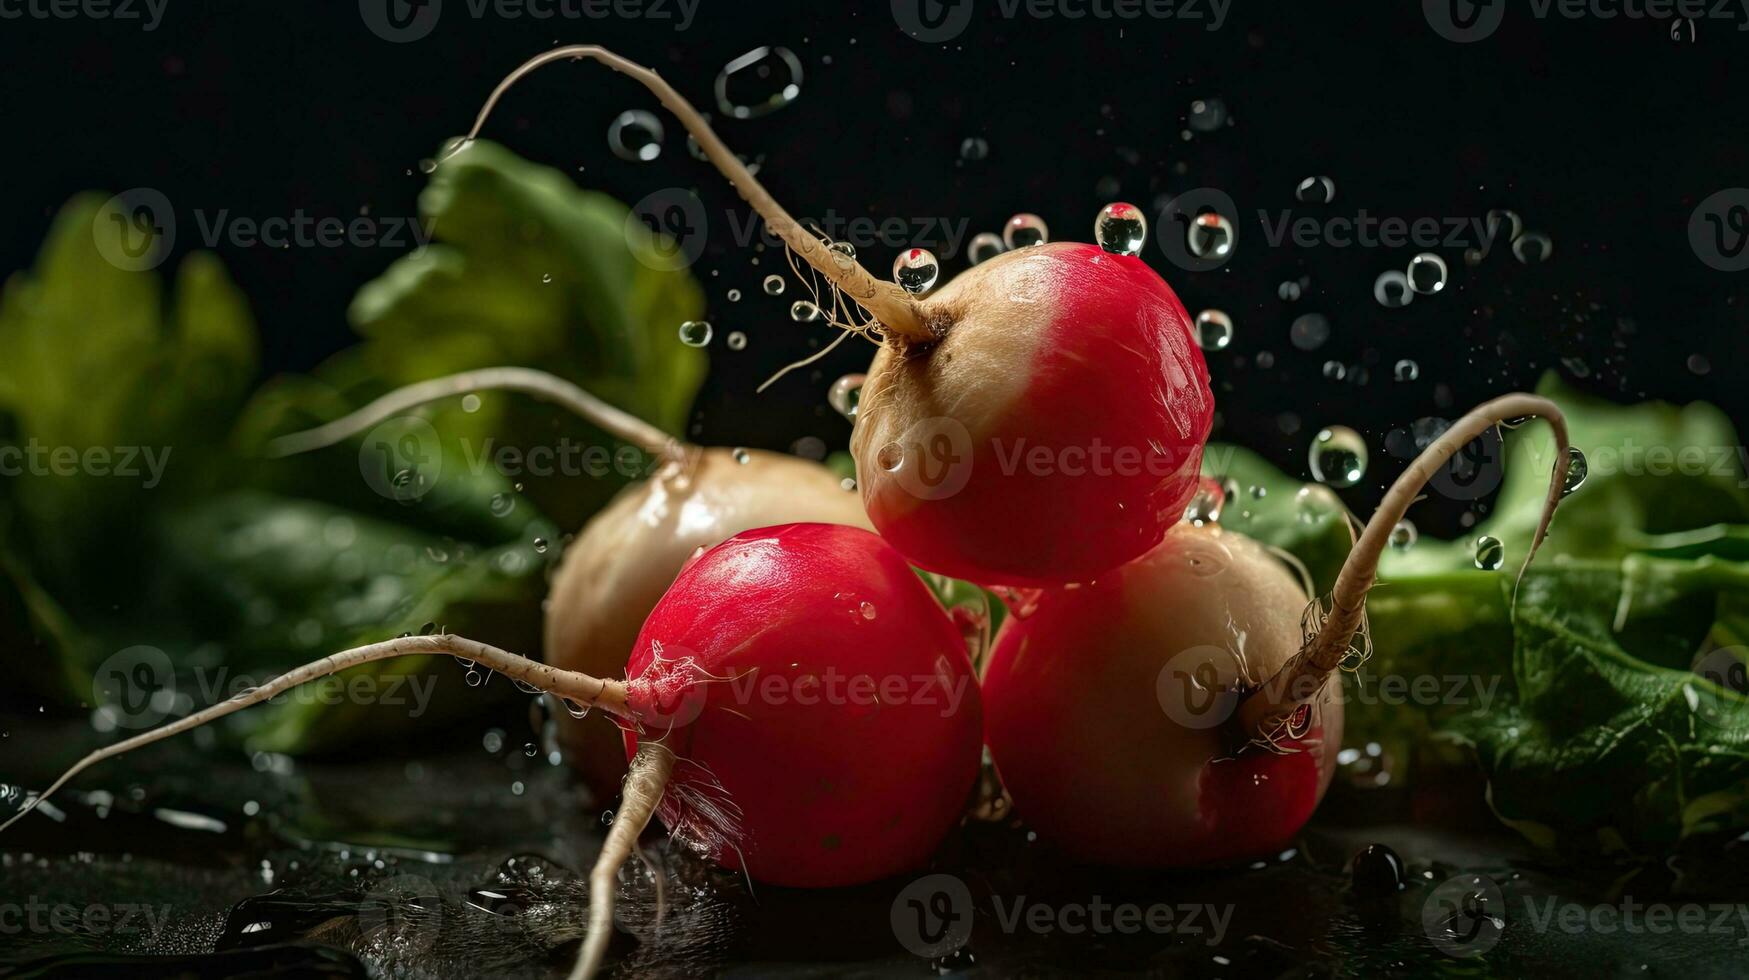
1053	379
628	553
799	706
1192	692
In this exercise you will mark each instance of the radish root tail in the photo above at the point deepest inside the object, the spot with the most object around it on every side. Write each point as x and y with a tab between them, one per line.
620	424
582	689
897	311
650	770
1272	711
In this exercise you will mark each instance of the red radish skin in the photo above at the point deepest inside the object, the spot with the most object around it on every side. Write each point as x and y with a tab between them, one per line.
829	790
1054	432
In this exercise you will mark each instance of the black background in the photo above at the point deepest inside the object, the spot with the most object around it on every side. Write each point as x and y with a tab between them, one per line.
1602	133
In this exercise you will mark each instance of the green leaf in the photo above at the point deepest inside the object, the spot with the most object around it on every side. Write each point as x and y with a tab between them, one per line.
1305	520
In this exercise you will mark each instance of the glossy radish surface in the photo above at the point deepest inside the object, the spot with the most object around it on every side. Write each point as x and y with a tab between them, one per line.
1055	430
820	703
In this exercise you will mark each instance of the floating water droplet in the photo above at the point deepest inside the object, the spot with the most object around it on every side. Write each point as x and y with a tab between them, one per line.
1205	505
540	546
802	311
1391	289
916	269
985	245
695	333
1025	229
1532	247
973	149
1338	457
734	295
1490	553
1210	235
1214	330
475	679
1288	290
1309	331
1404	535
546	277
1699	364
736	340
502	504
845	393
1427	273
1578	468
773	285
1121	228
759	82
1406	370
742	456
635	135
890	457
1316	190
1207	115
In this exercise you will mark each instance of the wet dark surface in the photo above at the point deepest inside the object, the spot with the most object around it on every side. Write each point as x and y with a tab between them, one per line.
193	861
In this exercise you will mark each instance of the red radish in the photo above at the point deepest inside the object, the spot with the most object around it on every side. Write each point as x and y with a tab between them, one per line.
1053	380
629	552
1186	693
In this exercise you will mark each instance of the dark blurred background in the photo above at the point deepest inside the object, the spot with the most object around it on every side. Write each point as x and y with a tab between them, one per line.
1603	134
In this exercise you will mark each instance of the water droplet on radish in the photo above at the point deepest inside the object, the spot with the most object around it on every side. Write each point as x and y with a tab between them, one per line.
1316	190
1025	229
890	457
773	285
1392	290
867	610
1406	370
574	708
844	251
525	687
984	246
802	311
1121	228
759	82
1309	331
1209	236
635	135
845	393
1532	247
1490	553
916	270
1427	273
737	340
695	333
1338	457
742	456
1214	330
1578	468
1404	535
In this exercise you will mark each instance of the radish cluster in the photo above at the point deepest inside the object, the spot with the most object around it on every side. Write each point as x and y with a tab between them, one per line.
797	705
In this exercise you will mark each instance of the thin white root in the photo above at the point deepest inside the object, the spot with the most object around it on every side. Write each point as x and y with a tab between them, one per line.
650	770
897	311
610	695
547	387
1268	711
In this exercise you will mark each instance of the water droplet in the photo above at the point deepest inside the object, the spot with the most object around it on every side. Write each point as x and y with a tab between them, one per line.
1338	456
1207	115
1406	370
759	82
973	149
546	277
742	456
867	609
1427	273
847	484
1316	190
985	245
502	504
1699	364
916	269
1490	553
428	166
1376	872
802	311
845	393
1578	468
1309	331
1214	330
773	285
844	250
1532	247
540	546
1404	535
1209	236
1392	290
695	333
1205	505
1288	290
635	135
475	679
1025	229
891	457
734	295
1121	228
736	340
